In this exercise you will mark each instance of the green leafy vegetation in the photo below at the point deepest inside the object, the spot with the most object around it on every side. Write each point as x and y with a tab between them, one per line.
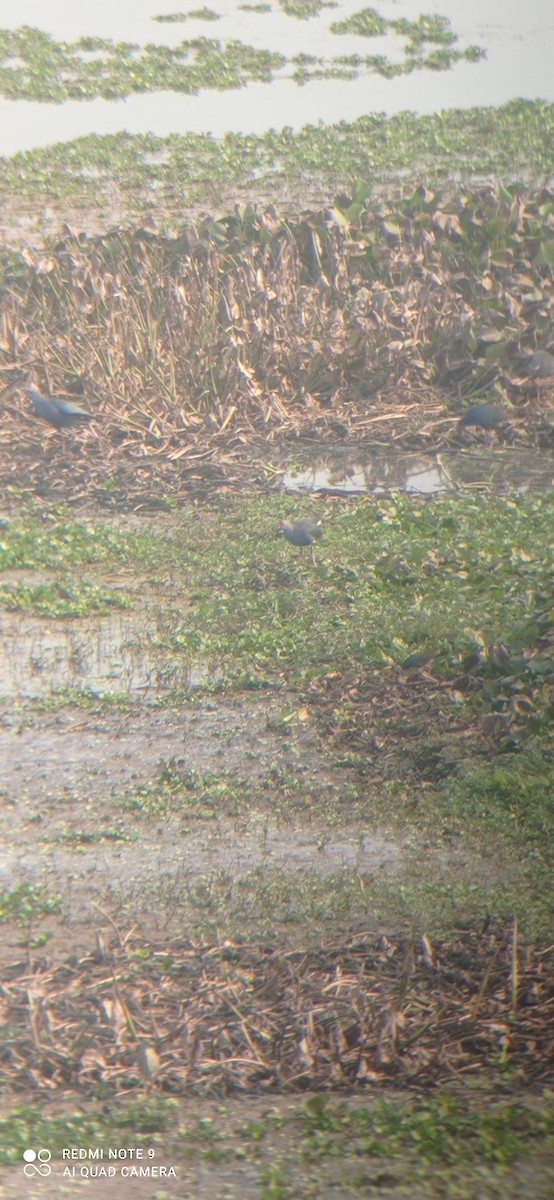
369	23
304	9
172	18
188	791
53	541
32	1123
61	600
197	14
366	23
86	837
214	794
204	14
301	908
27	903
57	71
426	29
256	605
513	142
444	1129
34	66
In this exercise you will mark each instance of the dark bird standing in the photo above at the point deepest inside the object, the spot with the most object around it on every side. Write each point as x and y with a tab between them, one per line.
485	416
302	533
59	413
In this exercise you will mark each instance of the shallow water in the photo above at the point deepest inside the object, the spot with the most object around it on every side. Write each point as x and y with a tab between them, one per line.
380	471
518	38
112	654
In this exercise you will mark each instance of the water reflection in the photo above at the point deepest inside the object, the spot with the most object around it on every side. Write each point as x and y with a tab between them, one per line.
114	654
513	470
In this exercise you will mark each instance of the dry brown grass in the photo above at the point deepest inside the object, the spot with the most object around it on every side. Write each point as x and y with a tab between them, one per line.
201	341
222	1018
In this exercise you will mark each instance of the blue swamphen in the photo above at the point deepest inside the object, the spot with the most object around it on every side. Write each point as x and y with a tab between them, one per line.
302	533
59	413
485	416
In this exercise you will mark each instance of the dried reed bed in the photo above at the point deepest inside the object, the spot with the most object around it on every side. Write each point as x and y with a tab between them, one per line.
370	319
219	1018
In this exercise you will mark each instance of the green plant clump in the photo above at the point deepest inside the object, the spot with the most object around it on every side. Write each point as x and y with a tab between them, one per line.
513	143
366	23
172	18
51	71
31	1124
26	904
53	541
304	9
446	1129
62	600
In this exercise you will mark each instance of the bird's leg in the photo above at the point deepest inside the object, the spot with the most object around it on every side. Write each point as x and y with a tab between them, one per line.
313	555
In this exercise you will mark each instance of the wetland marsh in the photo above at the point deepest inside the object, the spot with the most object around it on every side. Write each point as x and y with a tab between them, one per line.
276	837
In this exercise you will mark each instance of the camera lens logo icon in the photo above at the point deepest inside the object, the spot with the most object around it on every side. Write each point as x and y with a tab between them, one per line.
37	1162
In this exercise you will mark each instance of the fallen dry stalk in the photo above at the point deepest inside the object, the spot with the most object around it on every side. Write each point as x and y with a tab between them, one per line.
268	327
242	1017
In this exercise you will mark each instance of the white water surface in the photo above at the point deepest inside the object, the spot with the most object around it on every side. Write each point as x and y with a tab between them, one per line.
518	38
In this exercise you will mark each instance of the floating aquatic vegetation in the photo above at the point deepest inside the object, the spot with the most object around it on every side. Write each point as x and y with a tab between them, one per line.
304	9
171	18
175	18
512	142
366	23
196	14
34	66
426	29
204	14
53	72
